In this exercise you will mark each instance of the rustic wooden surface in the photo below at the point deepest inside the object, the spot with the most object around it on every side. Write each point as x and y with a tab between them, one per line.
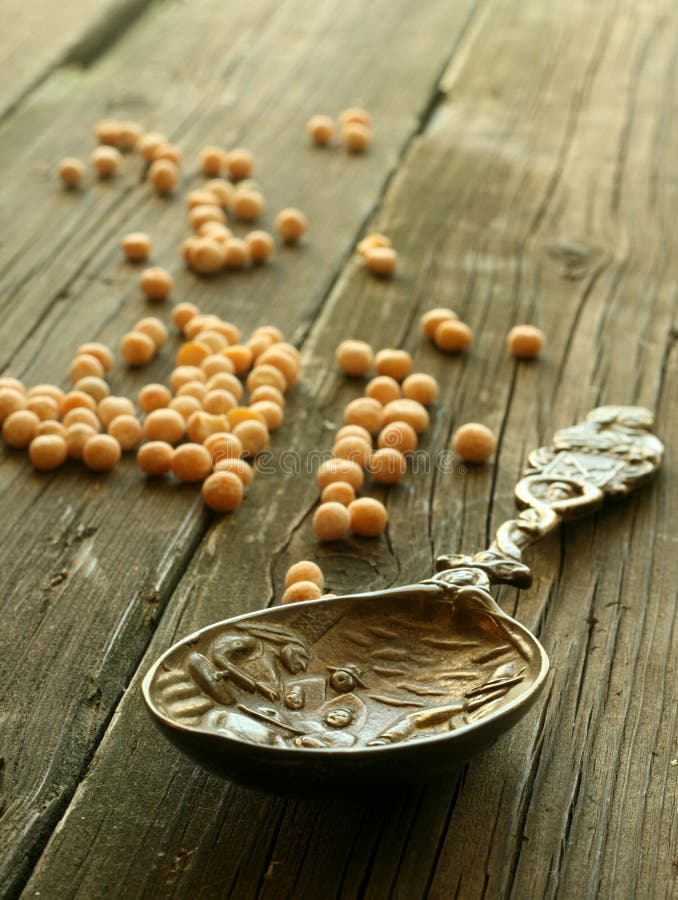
524	165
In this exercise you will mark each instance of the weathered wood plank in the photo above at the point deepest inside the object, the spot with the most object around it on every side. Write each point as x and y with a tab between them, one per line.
39	36
535	193
87	629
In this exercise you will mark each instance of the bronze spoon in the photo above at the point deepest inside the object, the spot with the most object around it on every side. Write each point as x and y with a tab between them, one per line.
395	685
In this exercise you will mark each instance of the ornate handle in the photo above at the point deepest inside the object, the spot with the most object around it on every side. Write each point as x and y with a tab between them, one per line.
610	453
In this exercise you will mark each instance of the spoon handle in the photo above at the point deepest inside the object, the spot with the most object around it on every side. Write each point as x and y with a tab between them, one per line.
609	454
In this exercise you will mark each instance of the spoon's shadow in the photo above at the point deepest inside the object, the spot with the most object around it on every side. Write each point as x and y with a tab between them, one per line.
356	690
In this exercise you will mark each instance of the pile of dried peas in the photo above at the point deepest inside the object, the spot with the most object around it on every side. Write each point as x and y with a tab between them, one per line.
204	399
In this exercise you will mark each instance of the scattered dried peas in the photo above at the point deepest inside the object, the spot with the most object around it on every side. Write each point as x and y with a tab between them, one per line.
149	143
239	163
129	135
291	224
219	402
156	283
182	314
110	407
47	390
7	382
164	425
353	448
126	430
356	137
155	457
236	254
525	341
253	436
215	363
11	401
331	521
387	465
396	363
381	260
340	470
77	436
101	453
105	161
223	491
355	114
201	425
155	329
272	413
221	188
247	204
264	373
321	129
354	357
193	389
368	517
73	399
82	415
222	445
280	359
227	382
163	175
19	428
366	412
83	365
201	215
434	317
399	435
212	161
421	387
452	336
43	406
383	389
192	353
101	351
300	591
260	245
240	358
136	246
48	451
239	467
185	406
353	430
97	388
107	131
137	348
71	171
372	240
474	442
409	411
267	392
191	462
169	152
338	492
49	426
305	570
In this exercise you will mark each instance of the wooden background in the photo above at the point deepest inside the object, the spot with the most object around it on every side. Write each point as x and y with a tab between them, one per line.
525	166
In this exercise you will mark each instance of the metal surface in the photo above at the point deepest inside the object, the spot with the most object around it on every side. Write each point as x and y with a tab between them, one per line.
398	684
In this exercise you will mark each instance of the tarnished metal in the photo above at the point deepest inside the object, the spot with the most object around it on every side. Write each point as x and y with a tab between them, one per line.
350	687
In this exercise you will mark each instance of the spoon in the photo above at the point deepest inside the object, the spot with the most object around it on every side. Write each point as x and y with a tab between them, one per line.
396	685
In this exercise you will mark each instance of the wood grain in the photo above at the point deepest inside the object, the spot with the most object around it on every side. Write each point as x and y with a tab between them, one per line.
541	188
87	576
40	36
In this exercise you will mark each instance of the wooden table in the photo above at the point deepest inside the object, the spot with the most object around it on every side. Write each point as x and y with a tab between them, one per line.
524	164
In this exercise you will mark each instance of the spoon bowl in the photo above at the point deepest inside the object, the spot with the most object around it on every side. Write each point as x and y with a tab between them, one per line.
358	690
